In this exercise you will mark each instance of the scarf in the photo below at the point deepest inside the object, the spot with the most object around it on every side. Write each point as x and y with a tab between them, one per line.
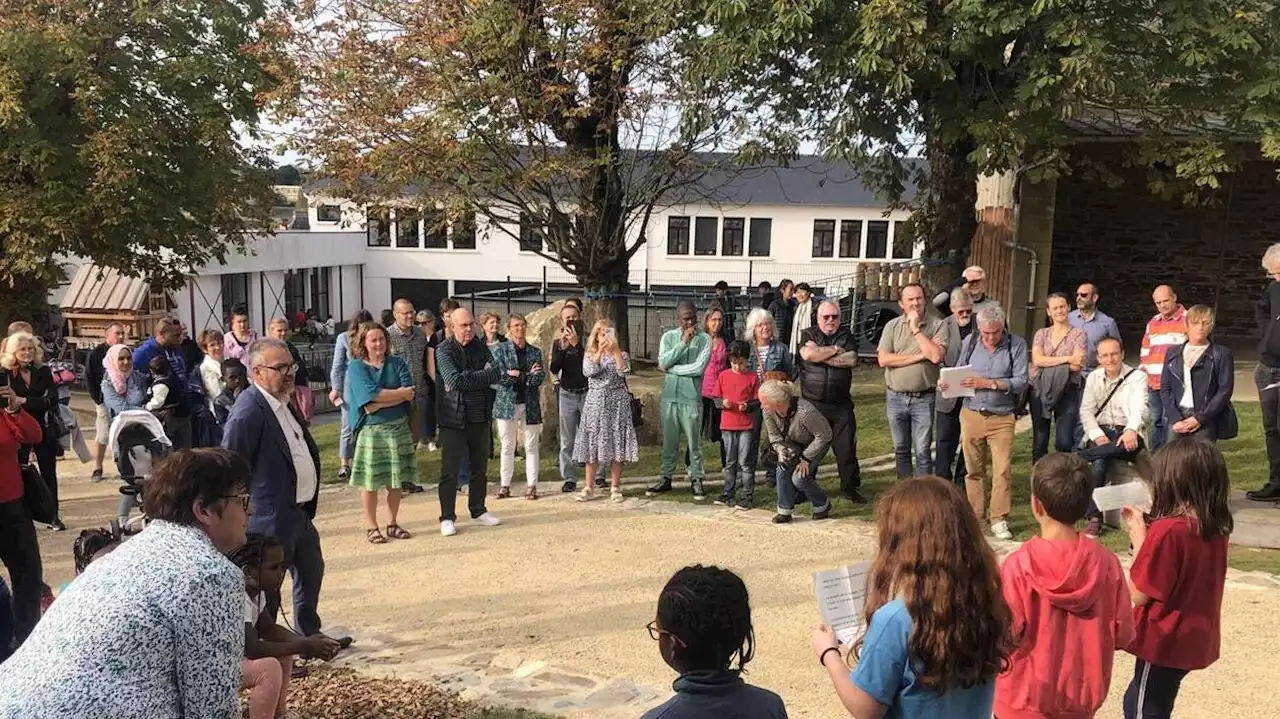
119	380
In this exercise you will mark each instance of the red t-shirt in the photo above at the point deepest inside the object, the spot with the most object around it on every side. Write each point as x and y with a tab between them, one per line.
15	429
735	387
1183	574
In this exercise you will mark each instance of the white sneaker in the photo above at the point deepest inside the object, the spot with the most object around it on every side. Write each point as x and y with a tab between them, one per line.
1000	530
431	447
488	520
422	446
447	529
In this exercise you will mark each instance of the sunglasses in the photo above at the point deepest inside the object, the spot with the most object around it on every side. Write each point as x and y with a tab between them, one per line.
1084	294
244	500
828	317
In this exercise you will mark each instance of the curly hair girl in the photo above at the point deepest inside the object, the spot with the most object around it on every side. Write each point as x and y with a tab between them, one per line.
934	611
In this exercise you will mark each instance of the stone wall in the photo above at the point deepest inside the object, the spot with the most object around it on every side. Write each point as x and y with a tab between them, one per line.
1129	240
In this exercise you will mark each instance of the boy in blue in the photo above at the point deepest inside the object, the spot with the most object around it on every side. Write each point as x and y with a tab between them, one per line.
703	625
938	628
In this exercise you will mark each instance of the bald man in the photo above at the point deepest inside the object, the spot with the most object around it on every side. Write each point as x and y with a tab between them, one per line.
974	281
682	356
409	343
1167	329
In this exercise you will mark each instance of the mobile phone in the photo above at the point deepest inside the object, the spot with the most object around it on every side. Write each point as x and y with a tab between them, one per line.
611	333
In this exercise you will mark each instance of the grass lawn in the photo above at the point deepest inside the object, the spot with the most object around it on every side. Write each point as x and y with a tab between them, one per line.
1246	458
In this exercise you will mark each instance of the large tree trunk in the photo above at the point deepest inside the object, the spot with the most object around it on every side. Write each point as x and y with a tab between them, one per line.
949	211
611	287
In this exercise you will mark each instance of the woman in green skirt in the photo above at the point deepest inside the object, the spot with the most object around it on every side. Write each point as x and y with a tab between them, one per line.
380	390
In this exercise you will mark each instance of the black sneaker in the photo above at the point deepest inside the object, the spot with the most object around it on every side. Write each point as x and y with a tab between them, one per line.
58	526
696	487
410	488
855	496
662	486
568	487
782	519
743	505
601	483
724	502
1269	493
824	514
344	473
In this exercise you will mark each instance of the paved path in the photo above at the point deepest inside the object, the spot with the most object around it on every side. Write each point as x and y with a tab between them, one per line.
548	611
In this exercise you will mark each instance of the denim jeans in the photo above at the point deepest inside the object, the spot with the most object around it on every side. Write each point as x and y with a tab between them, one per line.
570	404
1155	410
1065	421
911	427
789	485
346	440
949	461
1100	457
739	465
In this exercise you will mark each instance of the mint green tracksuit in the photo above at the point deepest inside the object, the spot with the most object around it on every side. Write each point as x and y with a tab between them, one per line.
683	364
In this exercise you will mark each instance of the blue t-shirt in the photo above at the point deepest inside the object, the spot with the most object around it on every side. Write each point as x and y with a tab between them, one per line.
884	673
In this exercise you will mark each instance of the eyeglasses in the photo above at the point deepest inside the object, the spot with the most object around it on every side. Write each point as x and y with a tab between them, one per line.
244	500
425	324
828	317
964	312
284	369
656	632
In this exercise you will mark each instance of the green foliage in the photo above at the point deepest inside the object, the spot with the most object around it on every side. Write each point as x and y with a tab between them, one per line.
989	85
121	128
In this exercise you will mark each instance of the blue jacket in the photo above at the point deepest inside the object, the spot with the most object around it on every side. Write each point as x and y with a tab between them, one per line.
777	358
1213	380
504	404
253	432
135	394
706	694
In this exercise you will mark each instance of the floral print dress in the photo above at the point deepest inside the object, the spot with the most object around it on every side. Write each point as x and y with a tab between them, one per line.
605	434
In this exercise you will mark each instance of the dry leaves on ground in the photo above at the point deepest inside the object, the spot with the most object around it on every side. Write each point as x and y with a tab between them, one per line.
344	694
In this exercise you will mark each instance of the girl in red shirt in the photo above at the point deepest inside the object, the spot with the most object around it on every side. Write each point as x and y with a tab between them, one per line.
1178	573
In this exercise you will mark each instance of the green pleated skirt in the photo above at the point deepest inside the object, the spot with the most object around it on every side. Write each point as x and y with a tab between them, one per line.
384	457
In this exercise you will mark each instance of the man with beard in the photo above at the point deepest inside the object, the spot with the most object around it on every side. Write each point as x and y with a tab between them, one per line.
949	460
1097	325
168	342
829	353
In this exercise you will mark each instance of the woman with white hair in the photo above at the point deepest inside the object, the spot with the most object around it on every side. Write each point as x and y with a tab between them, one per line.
770	358
24	370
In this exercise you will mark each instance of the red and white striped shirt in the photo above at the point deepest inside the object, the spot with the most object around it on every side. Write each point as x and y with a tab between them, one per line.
1162	334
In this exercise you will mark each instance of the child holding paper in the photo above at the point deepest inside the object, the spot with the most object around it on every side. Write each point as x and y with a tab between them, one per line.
1069	600
703	626
1179	569
938	629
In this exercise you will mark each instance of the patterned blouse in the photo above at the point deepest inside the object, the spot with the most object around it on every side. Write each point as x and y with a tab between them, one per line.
1074	340
153	629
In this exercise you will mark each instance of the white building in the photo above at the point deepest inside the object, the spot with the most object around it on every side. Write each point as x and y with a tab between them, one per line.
810	222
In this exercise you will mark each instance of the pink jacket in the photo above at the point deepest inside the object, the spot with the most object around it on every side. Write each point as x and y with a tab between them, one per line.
718	363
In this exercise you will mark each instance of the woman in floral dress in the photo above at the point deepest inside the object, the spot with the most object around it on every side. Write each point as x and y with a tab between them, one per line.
605	435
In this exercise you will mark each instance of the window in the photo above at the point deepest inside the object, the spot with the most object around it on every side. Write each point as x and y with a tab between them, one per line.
407	232
824	238
677	235
328	213
435	234
235	293
704	236
378	226
464	232
877	239
850	238
731	238
530	235
761	236
319	283
903	243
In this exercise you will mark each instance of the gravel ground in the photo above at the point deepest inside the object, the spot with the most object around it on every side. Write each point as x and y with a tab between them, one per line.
568	588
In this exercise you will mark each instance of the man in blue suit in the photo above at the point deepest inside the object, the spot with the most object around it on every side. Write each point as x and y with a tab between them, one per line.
264	428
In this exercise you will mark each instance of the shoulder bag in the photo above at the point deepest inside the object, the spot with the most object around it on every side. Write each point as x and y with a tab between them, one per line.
36	496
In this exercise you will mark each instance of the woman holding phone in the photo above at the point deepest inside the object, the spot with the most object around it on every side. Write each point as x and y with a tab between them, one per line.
605	434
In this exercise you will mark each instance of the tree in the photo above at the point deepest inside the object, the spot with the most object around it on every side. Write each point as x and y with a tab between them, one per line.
986	86
121	129
568	117
288	175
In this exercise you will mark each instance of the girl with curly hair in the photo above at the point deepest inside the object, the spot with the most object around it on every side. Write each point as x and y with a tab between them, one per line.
938	628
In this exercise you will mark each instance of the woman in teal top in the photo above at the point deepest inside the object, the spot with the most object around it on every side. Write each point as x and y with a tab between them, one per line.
380	390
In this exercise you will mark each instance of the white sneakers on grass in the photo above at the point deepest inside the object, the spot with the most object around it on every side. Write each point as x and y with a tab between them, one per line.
1000	530
488	519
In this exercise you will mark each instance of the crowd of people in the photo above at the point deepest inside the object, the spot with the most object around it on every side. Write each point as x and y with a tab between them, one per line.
243	482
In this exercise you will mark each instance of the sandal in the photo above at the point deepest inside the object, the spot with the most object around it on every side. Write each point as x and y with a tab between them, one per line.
374	536
587	494
531	493
504	492
395	531
616	496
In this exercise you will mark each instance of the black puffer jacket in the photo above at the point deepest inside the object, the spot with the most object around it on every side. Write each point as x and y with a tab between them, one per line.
822	383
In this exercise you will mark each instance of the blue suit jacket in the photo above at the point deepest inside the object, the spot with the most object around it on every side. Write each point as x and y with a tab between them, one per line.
253	432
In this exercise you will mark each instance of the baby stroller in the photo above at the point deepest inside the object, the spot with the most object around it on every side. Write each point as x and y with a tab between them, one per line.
137	441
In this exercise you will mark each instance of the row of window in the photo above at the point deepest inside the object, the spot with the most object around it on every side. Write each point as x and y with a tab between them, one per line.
854	236
417	229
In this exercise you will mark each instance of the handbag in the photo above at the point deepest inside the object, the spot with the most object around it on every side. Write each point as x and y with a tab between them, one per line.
637	415
36	496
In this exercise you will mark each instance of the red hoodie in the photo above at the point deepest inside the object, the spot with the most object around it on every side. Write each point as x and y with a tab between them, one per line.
1071	612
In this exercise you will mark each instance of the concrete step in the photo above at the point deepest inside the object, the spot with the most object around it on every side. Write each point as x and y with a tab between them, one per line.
1257	524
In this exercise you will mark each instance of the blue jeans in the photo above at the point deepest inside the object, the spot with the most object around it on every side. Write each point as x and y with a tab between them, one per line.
911	427
739	465
1155	410
789	485
570	404
346	440
1066	420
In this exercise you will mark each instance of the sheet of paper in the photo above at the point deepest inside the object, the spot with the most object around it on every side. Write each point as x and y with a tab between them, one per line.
842	593
953	376
1120	496
1273	385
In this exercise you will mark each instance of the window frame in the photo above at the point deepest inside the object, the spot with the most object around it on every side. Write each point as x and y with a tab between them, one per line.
321	211
767	224
824	238
845	239
884	247
730	243
706	228
679	238
377	226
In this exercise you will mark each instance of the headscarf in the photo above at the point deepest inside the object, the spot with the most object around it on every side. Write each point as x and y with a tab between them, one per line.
111	364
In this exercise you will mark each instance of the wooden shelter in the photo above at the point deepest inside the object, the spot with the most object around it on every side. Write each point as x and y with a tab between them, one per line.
100	296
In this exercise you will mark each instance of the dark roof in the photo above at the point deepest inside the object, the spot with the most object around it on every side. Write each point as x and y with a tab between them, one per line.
1095	121
805	180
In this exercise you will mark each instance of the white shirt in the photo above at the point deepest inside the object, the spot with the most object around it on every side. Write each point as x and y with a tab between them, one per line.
303	465
1127	408
253	608
1191	354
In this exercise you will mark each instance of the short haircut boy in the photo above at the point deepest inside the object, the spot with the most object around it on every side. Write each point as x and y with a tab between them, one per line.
1063	484
739	349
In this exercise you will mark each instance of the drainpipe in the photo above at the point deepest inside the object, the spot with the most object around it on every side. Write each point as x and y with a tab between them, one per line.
1033	263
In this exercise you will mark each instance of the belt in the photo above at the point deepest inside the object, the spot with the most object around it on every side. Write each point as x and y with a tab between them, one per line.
915	395
562	388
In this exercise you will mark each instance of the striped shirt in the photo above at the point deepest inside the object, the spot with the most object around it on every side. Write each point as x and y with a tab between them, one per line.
1161	335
